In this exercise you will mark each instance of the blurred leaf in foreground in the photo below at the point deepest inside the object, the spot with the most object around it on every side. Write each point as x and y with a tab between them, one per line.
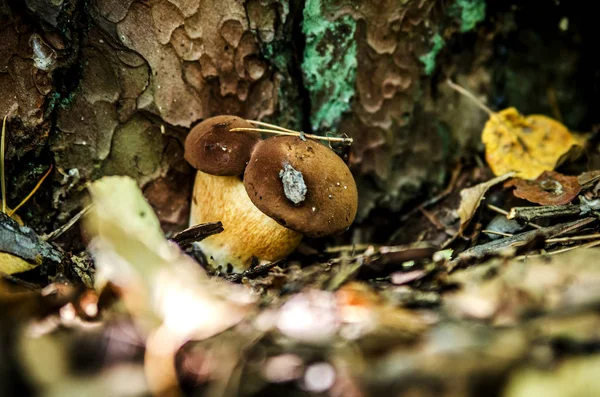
573	378
168	293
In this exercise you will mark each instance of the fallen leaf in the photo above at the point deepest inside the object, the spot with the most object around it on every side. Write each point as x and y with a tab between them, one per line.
587	179
158	280
11	264
470	199
550	188
527	145
169	296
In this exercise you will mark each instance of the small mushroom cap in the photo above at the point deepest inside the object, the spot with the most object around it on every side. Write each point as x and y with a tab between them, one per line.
303	185
210	146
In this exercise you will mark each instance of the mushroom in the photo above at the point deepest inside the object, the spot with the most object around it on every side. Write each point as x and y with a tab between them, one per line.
303	185
291	187
210	146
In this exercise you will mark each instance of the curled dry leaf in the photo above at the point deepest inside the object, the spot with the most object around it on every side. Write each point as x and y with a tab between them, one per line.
527	145
550	188
470	199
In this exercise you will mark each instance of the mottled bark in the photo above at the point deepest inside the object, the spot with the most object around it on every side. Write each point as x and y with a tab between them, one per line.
102	87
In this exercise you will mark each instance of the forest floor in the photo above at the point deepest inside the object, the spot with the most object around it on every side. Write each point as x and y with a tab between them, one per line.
496	291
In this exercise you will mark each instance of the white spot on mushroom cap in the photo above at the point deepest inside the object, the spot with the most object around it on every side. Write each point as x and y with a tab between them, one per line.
294	186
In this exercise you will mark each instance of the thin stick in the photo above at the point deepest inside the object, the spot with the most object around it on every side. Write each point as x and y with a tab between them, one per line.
472	97
560	251
19	281
295	133
505	213
53	235
253	272
347	248
497	233
271	126
197	233
497	209
573	238
2	164
10	213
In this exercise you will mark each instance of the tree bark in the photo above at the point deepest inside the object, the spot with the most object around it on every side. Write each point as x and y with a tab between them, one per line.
102	87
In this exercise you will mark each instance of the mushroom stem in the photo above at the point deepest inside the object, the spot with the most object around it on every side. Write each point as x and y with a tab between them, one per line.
248	232
283	131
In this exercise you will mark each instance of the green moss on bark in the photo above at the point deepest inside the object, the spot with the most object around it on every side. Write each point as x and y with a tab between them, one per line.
429	58
471	12
329	63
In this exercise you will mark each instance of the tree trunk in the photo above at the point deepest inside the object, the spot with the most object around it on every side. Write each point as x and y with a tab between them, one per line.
99	87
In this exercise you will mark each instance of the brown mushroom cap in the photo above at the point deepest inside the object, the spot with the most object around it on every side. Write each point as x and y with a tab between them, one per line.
303	185
210	146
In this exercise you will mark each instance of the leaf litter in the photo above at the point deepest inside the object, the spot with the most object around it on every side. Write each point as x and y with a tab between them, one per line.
462	300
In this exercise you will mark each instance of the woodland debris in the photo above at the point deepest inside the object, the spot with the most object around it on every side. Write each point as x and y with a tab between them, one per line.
588	179
529	214
22	249
470	199
399	278
507	245
506	292
254	271
505	213
58	232
197	233
550	188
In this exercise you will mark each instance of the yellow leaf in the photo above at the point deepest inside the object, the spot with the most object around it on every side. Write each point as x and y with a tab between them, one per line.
11	264
527	145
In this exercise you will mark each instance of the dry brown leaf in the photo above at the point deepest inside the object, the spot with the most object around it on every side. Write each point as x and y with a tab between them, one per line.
527	145
550	188
470	199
